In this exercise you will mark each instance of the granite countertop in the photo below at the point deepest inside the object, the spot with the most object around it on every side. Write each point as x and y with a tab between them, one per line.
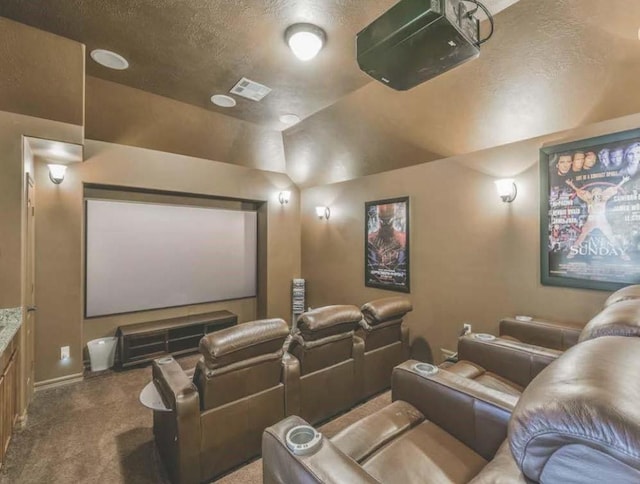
10	321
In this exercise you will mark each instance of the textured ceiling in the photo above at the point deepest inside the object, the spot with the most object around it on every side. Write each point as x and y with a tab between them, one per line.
552	65
189	50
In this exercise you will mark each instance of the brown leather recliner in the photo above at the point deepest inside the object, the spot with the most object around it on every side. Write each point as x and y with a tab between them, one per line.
239	387
578	421
386	341
331	359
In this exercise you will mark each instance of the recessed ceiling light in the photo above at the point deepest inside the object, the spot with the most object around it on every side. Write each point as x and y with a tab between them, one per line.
223	100
109	59
305	40
289	118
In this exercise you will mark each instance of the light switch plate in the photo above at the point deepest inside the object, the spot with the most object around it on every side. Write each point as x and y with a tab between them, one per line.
65	352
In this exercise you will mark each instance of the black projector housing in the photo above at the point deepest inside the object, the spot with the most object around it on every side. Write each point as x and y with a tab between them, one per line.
417	40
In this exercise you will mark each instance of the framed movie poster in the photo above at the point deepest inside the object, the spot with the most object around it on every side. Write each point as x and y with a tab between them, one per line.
386	244
590	212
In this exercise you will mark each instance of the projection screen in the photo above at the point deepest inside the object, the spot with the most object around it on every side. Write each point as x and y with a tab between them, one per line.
147	256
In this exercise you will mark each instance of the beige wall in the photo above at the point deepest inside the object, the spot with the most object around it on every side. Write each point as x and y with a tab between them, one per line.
473	257
12	127
60	234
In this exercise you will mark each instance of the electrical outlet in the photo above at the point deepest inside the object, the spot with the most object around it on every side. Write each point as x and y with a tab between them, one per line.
466	327
65	352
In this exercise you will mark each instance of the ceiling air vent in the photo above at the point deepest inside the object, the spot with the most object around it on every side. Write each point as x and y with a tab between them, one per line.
250	89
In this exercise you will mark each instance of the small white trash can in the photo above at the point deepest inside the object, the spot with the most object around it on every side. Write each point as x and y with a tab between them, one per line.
102	353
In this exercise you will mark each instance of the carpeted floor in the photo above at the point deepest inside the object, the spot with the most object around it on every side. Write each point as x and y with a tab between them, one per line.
97	431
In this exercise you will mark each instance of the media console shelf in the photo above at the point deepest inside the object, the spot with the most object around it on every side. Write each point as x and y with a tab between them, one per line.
142	342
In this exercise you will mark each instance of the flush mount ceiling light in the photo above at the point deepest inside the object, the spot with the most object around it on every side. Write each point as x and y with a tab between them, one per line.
223	100
305	40
109	59
289	118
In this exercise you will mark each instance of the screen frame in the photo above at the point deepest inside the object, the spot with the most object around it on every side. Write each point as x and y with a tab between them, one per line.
248	206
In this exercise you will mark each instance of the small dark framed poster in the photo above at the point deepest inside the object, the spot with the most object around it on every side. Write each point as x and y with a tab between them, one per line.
590	212
386	244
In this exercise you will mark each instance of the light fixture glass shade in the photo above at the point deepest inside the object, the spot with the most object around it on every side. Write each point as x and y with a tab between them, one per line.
323	212
506	189
305	40
284	197
56	173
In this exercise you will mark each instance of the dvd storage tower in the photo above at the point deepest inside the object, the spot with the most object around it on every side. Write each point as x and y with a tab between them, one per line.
297	301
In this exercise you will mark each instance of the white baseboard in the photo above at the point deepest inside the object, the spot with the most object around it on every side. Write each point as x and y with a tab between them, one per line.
57	382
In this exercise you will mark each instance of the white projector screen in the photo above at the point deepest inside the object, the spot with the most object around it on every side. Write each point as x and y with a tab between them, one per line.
147	256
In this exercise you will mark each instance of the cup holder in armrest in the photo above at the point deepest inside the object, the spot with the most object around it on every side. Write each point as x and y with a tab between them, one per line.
164	360
303	440
484	337
425	369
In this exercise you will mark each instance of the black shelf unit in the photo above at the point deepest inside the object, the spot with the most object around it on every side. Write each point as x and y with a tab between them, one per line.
142	342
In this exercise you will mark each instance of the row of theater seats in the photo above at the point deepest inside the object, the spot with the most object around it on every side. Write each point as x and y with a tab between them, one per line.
525	347
252	375
562	410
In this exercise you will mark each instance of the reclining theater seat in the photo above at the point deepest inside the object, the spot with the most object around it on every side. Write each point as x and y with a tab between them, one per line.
519	363
218	417
440	428
331	359
577	422
386	341
579	429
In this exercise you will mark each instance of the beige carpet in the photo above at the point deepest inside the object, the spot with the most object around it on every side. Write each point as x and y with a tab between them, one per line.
97	431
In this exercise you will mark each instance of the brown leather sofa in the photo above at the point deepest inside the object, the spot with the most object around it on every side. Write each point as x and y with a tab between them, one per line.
330	360
386	341
578	421
217	417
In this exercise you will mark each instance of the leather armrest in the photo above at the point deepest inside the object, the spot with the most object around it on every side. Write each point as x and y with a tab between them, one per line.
291	380
327	465
176	388
471	412
548	334
515	361
177	433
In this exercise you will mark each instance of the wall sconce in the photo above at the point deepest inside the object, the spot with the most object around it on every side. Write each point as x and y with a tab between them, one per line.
507	189
56	173
323	213
283	197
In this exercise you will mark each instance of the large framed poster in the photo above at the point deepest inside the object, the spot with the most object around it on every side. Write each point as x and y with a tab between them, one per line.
386	244
590	212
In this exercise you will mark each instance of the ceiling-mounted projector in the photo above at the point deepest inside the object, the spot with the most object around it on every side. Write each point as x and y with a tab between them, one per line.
417	40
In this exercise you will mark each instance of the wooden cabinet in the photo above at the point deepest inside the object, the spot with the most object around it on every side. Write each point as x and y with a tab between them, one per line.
8	396
142	342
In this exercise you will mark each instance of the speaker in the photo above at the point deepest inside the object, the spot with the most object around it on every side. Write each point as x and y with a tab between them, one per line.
417	40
